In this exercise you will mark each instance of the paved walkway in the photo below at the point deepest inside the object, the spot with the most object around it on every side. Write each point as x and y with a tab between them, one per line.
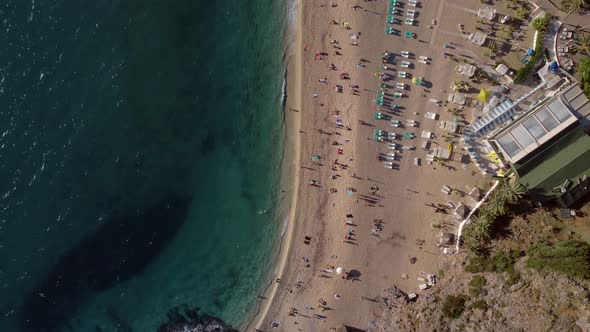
468	219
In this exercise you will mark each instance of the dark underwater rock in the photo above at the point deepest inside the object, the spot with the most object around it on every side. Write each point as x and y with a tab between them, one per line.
118	250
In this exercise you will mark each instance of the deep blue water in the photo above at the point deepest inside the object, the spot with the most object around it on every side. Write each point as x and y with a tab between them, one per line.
140	144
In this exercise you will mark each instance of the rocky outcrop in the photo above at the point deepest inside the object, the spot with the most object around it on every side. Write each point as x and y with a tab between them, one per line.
184	319
536	302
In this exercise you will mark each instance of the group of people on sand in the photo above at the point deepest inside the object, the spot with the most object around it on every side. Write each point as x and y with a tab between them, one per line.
339	169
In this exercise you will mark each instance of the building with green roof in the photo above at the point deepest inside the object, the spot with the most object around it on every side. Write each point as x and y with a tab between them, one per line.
549	147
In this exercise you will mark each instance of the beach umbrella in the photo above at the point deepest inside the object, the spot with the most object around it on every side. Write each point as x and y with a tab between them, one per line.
315	158
417	80
339	270
483	96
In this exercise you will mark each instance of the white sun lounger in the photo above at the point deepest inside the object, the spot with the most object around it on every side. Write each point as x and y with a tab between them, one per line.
430	115
409	21
388	164
400	86
402	74
405	54
391	156
406	64
392	146
349	221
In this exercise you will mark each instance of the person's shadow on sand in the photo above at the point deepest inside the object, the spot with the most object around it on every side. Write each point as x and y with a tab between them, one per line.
354	275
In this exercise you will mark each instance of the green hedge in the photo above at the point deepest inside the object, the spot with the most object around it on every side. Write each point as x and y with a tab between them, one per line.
540	24
584	73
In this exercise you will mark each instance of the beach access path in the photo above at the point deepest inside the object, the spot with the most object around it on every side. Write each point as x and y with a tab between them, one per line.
401	197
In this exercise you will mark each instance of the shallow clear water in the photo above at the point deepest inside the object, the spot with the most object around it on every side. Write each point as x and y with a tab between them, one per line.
139	150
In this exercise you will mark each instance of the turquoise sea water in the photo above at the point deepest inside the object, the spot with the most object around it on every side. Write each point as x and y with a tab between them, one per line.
140	145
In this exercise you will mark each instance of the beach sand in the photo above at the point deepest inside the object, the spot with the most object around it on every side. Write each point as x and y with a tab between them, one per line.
374	263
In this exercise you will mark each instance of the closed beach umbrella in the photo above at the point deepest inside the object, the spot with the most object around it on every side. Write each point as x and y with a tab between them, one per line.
483	96
339	270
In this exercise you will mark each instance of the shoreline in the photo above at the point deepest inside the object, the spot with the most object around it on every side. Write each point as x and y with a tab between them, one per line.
391	240
289	173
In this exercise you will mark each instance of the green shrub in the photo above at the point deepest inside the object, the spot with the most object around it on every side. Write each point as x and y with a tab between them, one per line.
476	285
512	277
500	262
480	304
541	23
453	306
477	264
584	74
567	257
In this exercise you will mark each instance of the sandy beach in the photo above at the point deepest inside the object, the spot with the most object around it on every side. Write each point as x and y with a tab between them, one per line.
336	172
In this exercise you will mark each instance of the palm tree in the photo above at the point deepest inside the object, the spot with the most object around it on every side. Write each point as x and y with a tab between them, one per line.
575	5
481	227
497	204
583	40
512	192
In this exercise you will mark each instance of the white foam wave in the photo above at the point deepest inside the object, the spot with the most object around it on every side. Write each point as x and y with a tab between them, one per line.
285	224
292	7
284	91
